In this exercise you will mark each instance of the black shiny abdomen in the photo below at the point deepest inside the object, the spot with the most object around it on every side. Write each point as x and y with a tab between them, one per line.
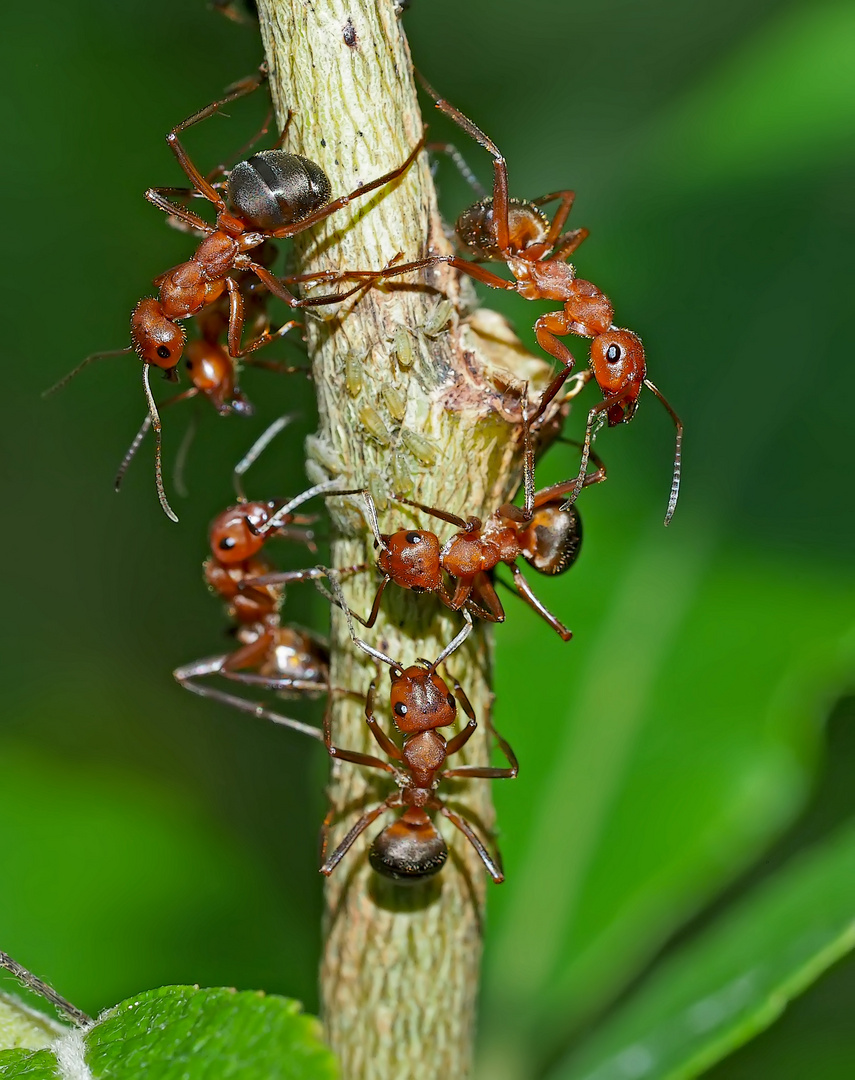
554	539
273	189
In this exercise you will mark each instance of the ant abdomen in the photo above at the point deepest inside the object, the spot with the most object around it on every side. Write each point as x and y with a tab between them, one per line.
156	339
476	228
272	189
553	540
409	850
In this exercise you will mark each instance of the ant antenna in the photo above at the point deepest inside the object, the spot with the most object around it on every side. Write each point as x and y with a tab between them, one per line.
38	986
181	457
528	457
75	371
298	500
256	450
375	654
158	468
130	453
678	453
370	514
462	121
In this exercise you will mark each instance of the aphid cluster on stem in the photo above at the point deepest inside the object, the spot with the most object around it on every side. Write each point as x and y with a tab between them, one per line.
225	287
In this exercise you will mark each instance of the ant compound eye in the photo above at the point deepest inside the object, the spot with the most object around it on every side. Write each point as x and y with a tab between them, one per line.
227	543
614	353
450	699
163	352
413	538
400	709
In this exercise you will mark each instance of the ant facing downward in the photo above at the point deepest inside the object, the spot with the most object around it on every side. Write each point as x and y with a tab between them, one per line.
411	848
285	658
272	195
502	229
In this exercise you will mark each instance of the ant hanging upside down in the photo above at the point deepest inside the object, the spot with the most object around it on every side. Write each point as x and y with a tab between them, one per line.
411	848
271	196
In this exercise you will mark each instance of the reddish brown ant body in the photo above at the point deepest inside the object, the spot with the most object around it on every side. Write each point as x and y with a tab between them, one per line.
503	229
542	531
280	657
271	195
411	849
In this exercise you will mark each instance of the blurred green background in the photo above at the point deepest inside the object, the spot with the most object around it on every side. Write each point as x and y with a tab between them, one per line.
700	720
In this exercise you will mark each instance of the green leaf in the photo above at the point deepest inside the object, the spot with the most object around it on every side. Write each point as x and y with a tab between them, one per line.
184	1033
737	979
28	1065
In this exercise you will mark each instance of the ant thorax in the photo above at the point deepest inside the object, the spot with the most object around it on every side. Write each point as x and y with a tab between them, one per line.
546	280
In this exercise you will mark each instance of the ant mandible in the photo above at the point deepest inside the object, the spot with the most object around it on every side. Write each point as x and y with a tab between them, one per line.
285	658
272	195
411	848
503	229
542	531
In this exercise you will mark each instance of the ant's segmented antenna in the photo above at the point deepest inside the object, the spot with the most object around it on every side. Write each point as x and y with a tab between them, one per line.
345	607
256	450
158	466
131	453
298	500
678	453
456	642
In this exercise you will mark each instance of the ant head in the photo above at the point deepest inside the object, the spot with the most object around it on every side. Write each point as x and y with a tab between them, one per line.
420	699
156	339
476	229
233	534
409	850
589	308
619	366
411	559
273	189
551	543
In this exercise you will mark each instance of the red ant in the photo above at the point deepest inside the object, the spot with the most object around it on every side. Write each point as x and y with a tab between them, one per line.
272	195
285	658
542	531
212	372
411	848
503	229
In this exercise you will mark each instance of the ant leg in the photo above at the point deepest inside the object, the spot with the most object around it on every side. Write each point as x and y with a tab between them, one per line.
347	843
485	592
549	494
595	417
186	676
385	743
157	198
565	245
265	339
83	363
488	772
494	866
561	214
154	416
545	330
678	453
525	591
556	384
270	682
273	523
500	168
185	395
206	189
38	986
331	207
459	162
434	511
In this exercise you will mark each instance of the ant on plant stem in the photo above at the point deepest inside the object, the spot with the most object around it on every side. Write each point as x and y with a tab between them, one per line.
411	848
285	658
272	195
542	531
518	234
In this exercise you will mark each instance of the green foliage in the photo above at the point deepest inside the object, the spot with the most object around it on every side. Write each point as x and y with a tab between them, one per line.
184	1033
155	839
